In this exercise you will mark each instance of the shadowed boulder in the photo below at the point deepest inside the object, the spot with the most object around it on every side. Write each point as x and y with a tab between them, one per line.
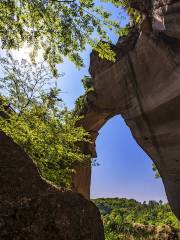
30	208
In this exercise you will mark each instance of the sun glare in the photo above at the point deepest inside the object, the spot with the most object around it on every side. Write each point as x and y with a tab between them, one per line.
25	52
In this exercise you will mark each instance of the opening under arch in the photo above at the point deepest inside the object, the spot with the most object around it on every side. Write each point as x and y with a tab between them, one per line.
125	170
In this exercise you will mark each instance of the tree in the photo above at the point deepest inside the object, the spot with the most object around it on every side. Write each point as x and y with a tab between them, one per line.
129	219
60	28
38	121
154	168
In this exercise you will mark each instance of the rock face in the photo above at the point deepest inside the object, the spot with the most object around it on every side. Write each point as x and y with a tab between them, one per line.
32	209
143	85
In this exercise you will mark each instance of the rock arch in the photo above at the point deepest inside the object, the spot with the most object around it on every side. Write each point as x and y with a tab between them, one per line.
143	85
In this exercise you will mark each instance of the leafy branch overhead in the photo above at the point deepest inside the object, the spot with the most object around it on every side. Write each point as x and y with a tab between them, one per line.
59	28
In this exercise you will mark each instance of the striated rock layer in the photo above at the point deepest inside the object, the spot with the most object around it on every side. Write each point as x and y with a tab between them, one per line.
143	85
32	209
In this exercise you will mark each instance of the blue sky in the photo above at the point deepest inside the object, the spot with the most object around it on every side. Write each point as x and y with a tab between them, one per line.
125	170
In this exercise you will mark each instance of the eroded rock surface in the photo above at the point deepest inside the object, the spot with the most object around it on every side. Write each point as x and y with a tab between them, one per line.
32	209
143	85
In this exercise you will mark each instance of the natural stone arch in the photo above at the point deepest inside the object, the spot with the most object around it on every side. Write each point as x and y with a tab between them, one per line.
143	85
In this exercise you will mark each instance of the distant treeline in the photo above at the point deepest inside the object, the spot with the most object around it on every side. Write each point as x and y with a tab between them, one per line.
128	219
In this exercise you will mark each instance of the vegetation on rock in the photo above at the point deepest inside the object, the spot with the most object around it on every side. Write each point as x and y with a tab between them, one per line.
81	102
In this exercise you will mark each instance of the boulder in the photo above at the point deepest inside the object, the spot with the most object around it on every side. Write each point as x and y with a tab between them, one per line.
31	208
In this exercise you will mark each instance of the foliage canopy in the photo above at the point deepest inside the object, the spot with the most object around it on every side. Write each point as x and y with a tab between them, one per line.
129	219
60	28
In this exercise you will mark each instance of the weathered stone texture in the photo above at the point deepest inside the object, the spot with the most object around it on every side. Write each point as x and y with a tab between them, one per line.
166	17
32	209
143	85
